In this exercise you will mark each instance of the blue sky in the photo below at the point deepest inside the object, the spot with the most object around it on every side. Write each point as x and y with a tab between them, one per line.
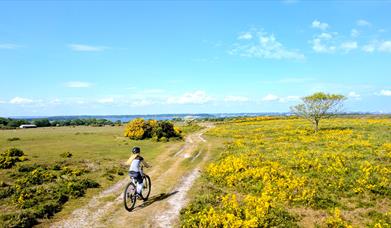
142	57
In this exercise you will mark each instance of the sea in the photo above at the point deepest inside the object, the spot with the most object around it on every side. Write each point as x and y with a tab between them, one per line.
127	118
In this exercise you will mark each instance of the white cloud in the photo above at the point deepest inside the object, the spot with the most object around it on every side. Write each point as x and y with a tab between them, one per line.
353	94
270	97
385	92
325	36
380	46
20	101
2	102
9	46
363	22
354	33
382	30
265	46
108	100
235	99
349	45
78	84
320	25
197	97
245	36
369	48
332	43
84	47
385	46
322	43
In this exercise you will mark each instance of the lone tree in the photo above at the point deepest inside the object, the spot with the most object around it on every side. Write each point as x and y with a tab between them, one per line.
317	106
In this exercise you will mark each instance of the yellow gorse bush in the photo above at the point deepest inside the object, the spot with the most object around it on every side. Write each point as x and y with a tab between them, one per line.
271	165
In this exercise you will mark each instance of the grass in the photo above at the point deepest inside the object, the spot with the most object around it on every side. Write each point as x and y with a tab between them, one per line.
94	153
278	172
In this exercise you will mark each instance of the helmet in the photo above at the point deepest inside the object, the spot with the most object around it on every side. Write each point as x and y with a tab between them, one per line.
136	150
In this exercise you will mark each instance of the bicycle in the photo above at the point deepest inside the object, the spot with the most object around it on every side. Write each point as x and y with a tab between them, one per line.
130	196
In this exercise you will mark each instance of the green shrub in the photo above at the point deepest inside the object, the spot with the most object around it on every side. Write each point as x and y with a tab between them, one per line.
7	162
66	155
39	191
66	170
36	177
13	152
13	139
6	192
142	129
163	139
9	157
27	168
24	218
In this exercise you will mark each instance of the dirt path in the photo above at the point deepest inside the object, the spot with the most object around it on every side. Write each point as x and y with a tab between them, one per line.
172	177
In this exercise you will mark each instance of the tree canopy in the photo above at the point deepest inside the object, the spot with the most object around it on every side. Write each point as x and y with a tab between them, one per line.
317	106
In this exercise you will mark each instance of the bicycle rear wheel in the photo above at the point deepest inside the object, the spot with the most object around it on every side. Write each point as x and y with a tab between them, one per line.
130	196
146	187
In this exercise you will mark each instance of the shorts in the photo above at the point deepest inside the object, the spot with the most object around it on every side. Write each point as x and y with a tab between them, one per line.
137	176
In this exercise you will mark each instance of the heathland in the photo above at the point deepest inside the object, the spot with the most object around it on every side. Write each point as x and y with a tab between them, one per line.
279	172
58	169
255	172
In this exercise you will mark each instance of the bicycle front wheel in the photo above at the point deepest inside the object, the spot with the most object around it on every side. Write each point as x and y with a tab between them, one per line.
146	187
130	196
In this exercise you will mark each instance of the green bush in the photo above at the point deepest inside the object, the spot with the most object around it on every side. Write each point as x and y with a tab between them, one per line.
25	218
10	156
142	129
39	191
66	155
163	139
13	139
42	200
27	168
13	152
6	192
8	162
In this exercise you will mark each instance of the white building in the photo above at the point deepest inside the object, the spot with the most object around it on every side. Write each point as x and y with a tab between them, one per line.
28	126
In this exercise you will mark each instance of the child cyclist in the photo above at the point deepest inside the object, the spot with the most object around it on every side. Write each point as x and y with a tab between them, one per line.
135	161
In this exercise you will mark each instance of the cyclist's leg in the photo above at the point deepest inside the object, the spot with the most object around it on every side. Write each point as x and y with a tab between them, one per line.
140	183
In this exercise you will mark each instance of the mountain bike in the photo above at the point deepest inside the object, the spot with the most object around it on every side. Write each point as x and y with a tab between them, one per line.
130	196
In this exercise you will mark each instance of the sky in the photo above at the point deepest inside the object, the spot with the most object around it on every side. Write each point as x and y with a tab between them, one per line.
154	57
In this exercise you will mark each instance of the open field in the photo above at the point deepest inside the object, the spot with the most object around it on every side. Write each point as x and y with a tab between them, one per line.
97	156
264	171
277	172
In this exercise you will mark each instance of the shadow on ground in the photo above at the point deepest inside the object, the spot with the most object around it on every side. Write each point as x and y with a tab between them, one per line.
155	198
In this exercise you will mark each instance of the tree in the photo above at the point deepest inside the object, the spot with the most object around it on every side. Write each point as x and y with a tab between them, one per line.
317	106
42	122
13	123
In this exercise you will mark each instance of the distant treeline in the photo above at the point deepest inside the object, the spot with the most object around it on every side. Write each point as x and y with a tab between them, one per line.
9	123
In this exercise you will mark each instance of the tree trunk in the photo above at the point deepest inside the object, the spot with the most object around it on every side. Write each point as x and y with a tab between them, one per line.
316	125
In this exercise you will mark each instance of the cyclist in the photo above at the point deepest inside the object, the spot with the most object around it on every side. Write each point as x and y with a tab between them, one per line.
135	161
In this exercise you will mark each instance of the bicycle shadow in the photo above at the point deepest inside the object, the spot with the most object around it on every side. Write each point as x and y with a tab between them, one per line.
155	198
